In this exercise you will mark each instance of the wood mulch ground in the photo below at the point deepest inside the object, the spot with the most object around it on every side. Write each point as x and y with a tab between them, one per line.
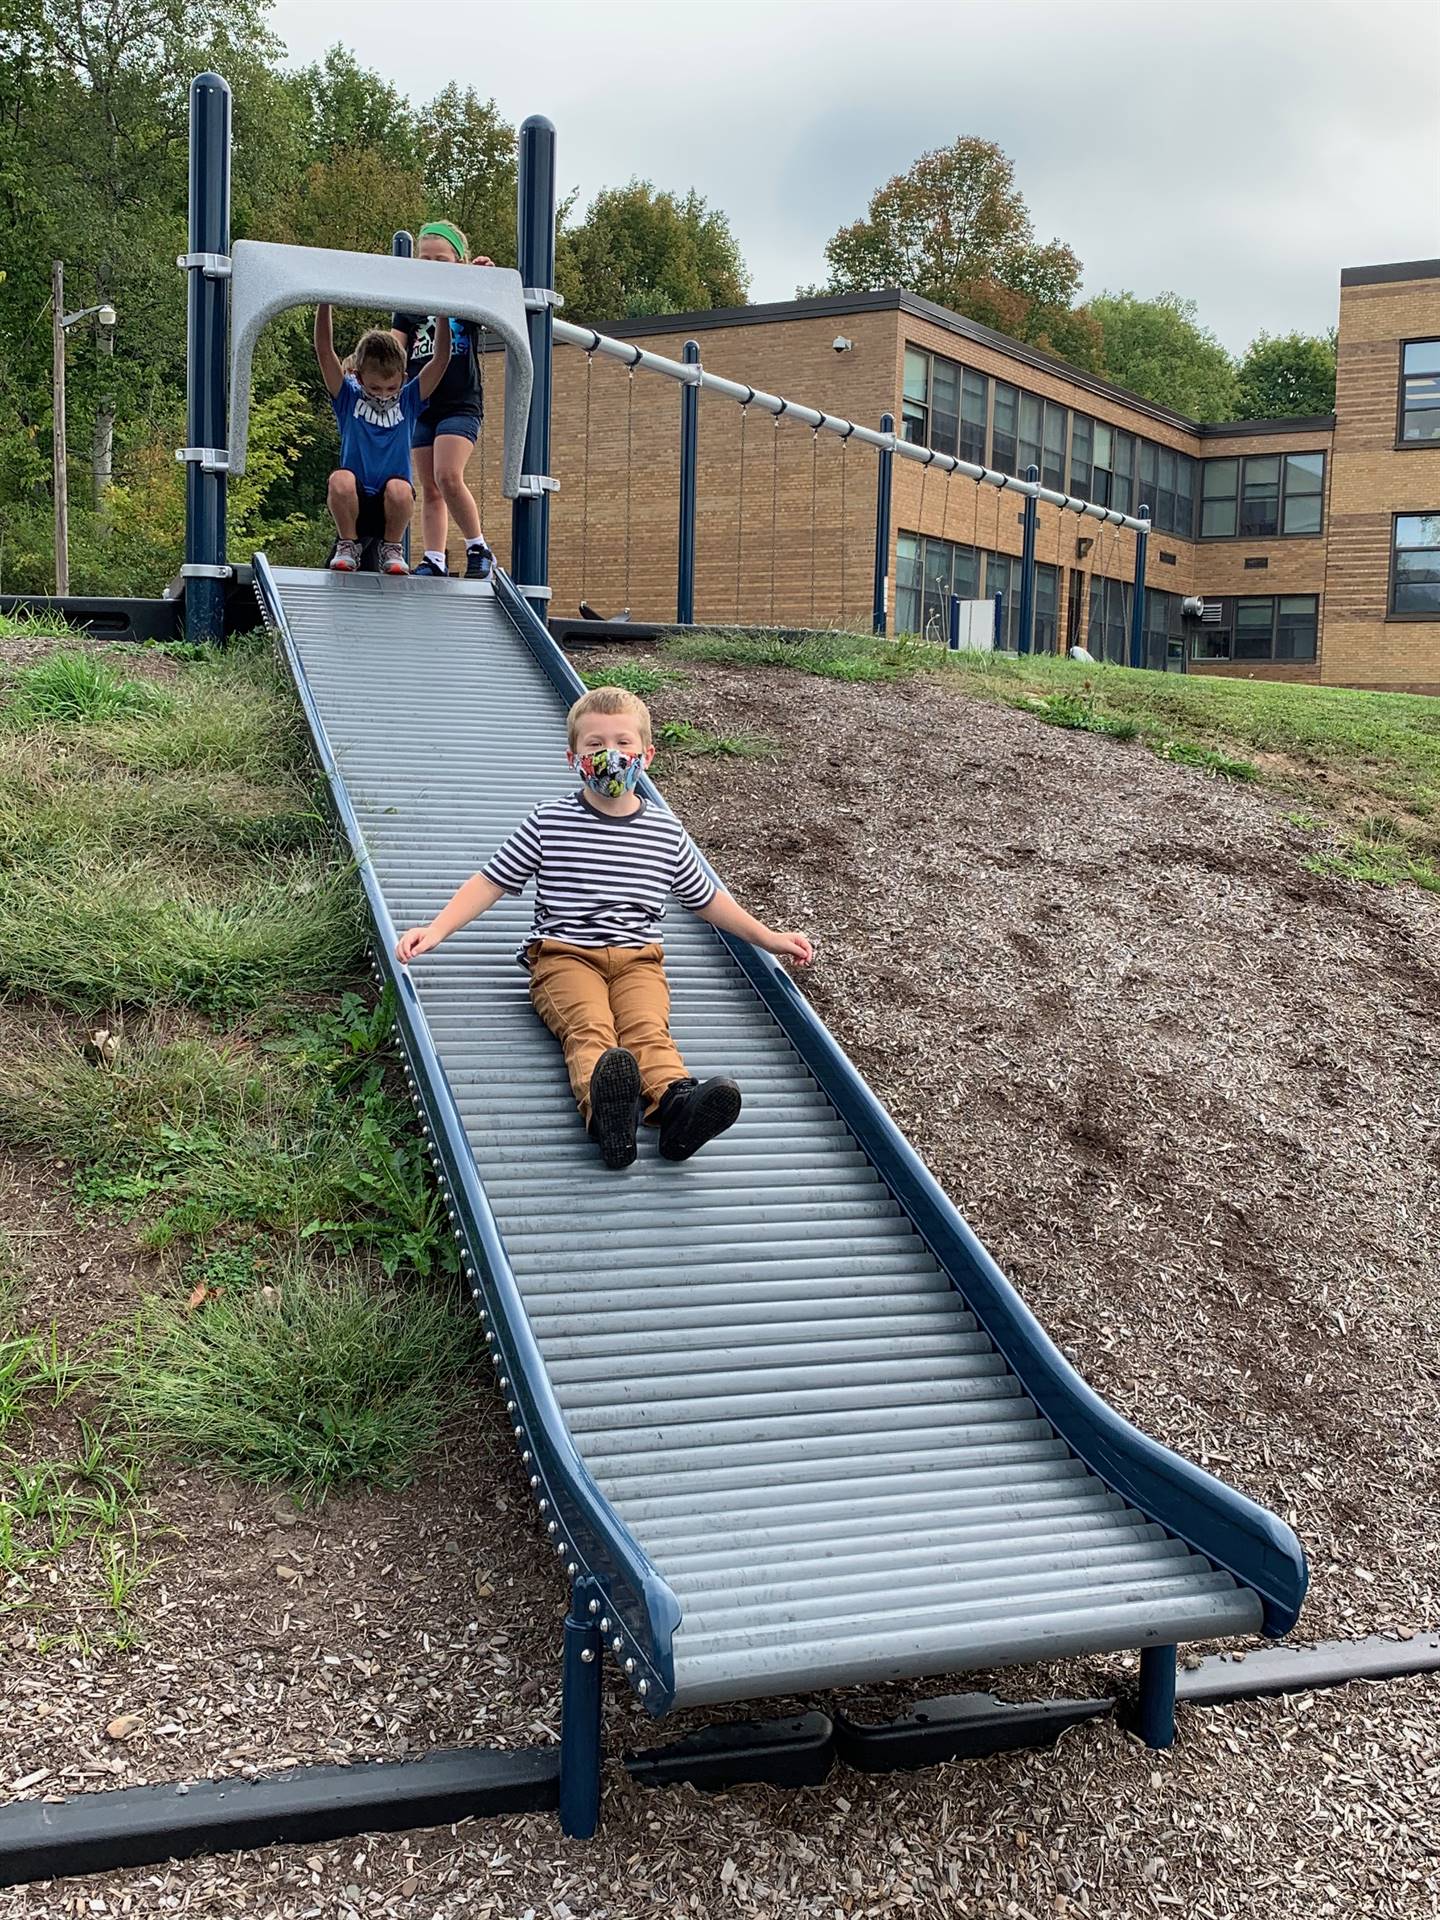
1184	1090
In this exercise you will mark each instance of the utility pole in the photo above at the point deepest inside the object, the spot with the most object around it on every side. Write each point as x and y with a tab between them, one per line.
62	505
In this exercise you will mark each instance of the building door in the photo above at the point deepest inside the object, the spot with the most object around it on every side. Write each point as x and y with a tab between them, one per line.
1075	609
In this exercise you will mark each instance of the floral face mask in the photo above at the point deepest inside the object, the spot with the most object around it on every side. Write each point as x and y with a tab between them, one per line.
609	773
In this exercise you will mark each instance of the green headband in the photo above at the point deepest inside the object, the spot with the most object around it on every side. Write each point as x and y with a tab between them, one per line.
443	230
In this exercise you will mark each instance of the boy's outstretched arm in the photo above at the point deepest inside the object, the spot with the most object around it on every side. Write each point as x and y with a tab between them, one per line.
467	903
724	913
330	370
435	366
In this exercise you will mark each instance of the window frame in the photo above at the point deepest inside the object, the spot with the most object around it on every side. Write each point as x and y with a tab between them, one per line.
1241	462
1410	513
1230	629
1402	445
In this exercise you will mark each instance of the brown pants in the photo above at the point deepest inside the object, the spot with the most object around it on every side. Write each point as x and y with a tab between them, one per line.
592	998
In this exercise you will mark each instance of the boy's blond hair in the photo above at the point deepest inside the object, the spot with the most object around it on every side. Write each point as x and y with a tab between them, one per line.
380	351
610	700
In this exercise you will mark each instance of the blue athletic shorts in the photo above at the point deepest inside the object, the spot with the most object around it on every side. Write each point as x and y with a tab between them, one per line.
467	425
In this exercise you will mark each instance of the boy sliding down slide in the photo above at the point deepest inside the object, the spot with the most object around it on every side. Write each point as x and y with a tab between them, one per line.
604	862
376	408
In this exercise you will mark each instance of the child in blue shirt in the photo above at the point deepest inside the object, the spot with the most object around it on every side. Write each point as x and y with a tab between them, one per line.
376	408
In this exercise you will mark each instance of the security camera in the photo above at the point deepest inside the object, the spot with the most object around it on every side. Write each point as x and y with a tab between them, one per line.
841	344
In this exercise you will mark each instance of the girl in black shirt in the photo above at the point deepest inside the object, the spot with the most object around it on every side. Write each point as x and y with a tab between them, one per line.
446	432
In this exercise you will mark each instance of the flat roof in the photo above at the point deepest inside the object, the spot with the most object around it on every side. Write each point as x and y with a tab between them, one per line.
897	299
1395	270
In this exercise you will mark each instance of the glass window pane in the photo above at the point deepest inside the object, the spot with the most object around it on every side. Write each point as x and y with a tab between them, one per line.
1422	356
1262	473
1417	583
1210	643
917	375
974	406
1052	464
1217	519
1254	621
1422	409
1220	478
966	578
944	431
1002	433
944	405
1260	503
1080	443
1029	455
907	561
914	424
1295	625
1304	472
1148	469
1302	513
1103	455
1417	530
1184	495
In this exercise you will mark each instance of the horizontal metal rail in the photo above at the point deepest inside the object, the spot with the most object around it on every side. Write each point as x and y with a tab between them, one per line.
692	374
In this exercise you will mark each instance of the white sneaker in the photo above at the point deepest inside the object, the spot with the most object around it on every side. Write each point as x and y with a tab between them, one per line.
346	557
392	558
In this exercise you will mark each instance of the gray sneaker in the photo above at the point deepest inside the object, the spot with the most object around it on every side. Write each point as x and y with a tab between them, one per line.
392	558
346	557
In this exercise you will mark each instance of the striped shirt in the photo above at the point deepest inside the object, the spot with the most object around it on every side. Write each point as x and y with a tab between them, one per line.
601	880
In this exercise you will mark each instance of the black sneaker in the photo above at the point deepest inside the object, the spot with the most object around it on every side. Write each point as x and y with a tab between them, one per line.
428	566
615	1106
692	1113
479	562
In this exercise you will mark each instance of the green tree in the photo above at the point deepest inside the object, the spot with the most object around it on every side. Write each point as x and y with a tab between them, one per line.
1158	349
469	167
1285	374
955	229
347	106
641	251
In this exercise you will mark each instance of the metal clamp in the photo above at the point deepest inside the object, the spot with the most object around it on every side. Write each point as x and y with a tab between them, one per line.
211	459
198	570
214	266
532	485
535	593
538	298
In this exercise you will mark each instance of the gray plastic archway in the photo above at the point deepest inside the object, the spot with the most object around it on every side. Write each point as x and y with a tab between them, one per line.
266	279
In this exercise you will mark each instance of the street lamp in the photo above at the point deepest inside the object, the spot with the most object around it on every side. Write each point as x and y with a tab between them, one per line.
61	323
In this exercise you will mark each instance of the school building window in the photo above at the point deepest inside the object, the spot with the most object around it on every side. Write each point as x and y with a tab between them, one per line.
1261	627
928	571
1108	633
1166	484
1420	393
1262	496
1415	566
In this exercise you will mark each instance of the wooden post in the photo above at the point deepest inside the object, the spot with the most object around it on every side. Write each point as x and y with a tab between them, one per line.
62	479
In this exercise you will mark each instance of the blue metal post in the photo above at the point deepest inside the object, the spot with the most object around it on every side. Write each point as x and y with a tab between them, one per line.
1156	1718
1137	610
880	609
580	1716
1025	639
689	450
530	517
207	366
954	623
402	245
999	621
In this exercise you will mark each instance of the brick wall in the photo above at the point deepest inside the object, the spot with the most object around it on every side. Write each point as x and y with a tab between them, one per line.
1373	480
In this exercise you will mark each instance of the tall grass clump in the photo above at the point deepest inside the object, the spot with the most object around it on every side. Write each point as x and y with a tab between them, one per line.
78	689
319	1379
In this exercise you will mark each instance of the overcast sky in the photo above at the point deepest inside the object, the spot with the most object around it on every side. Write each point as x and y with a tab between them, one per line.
1238	152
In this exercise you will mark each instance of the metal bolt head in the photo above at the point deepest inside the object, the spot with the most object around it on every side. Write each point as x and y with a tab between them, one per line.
617	1645
504	1383
561	1549
587	1654
642	1687
629	1666
553	1528
545	1506
534	1481
510	1406
605	1623
594	1607
519	1433
526	1457
571	1569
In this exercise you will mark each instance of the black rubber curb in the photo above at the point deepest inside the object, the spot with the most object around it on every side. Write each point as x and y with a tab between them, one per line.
142	1826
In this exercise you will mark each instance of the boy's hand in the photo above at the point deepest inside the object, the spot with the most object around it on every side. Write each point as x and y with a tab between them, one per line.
412	944
792	946
482	260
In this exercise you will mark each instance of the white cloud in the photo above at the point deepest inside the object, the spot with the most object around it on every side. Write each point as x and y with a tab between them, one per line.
1240	153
